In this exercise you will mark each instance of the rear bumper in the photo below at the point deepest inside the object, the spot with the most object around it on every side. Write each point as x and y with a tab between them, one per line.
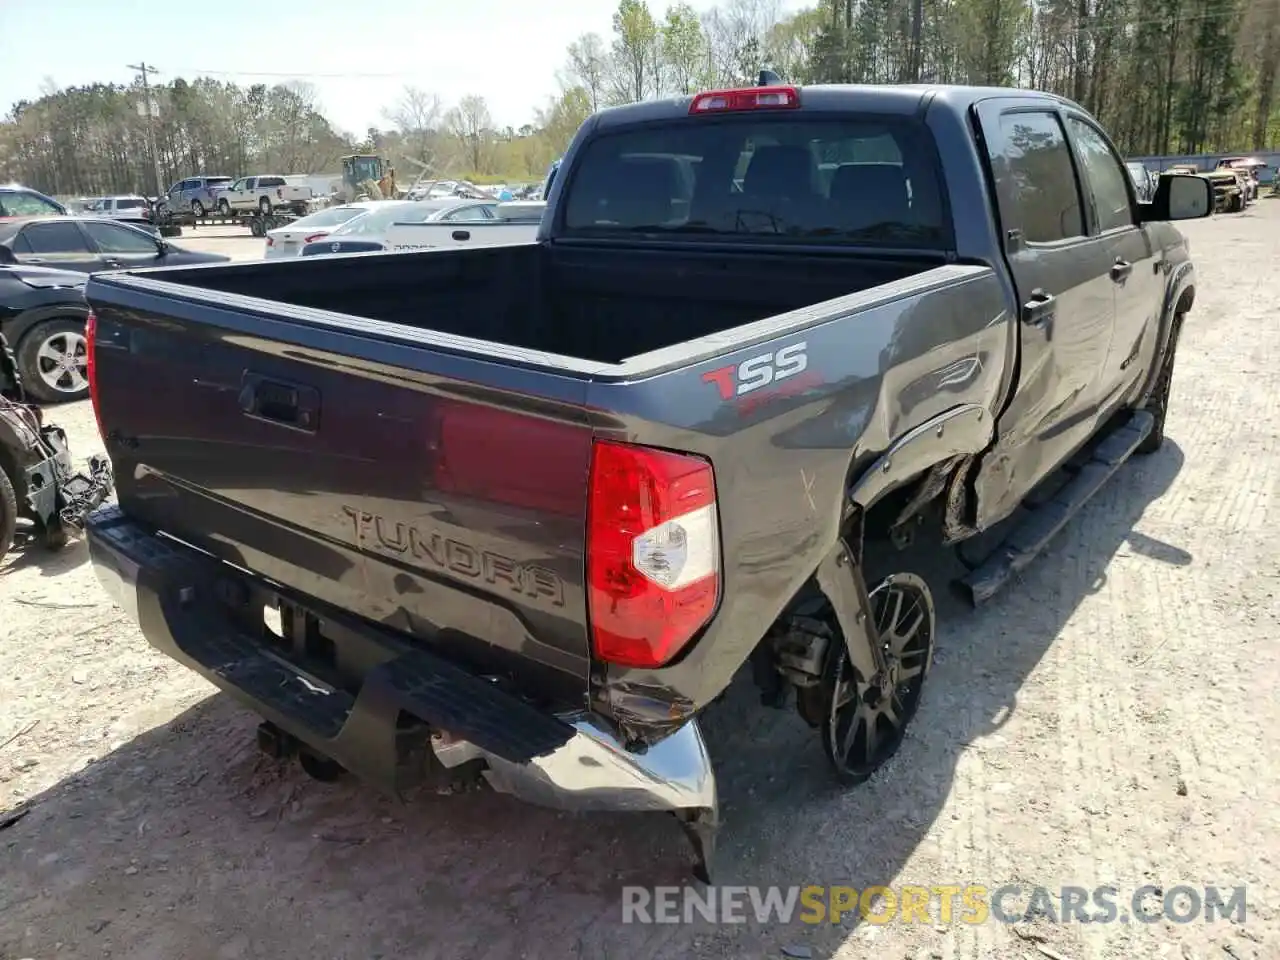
208	616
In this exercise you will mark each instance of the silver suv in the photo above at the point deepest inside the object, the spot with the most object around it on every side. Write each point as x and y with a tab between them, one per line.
196	194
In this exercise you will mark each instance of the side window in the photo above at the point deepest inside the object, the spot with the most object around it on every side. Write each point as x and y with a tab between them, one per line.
1038	179
27	205
466	215
1104	175
113	239
61	237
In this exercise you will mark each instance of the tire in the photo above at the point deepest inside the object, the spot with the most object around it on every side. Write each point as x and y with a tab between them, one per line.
264	206
224	208
8	513
197	208
52	361
1158	403
55	537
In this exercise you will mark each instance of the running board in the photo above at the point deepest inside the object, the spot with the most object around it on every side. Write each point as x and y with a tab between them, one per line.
1033	534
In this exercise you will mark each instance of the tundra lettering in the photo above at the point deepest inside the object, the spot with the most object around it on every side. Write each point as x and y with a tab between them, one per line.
455	556
759	371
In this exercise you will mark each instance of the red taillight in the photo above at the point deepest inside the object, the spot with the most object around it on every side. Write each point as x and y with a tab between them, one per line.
270	242
315	236
653	552
91	366
747	98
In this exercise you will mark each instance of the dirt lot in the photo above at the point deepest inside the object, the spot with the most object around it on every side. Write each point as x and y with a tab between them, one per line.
1111	720
236	242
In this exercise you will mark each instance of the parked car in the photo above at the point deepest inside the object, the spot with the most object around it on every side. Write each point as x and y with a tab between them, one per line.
197	195
371	230
263	195
129	208
524	512
89	244
1248	168
1144	181
42	315
288	241
20	201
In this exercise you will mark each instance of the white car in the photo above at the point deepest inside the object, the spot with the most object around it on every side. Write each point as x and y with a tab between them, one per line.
129	207
368	232
287	241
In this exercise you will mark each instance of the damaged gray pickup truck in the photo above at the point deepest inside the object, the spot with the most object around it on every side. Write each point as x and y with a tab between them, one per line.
518	514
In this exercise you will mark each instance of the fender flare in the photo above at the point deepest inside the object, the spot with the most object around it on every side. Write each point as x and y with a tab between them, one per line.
1181	286
19	326
965	430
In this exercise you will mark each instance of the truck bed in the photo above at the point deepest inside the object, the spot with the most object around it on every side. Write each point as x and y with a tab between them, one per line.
328	424
594	304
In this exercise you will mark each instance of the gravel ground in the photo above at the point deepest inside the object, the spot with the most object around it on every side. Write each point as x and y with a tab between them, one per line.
1109	720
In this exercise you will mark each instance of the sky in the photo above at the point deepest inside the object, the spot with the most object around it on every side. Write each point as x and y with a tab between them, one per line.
357	58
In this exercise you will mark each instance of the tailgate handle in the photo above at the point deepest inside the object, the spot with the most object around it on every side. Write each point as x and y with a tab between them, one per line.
462	234
288	404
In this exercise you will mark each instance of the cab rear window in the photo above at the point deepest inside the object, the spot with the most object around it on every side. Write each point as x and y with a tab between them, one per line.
864	180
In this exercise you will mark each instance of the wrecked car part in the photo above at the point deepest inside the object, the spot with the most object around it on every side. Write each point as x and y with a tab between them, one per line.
1025	542
594	771
47	491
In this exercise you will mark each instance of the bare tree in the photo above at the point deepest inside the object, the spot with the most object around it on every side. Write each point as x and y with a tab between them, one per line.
416	115
472	126
588	67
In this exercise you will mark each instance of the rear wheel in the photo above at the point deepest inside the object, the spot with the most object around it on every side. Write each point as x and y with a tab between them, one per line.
8	512
264	206
224	208
1158	403
866	722
197	208
53	361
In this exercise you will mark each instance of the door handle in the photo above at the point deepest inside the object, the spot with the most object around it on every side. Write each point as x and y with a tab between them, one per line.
287	404
1039	311
112	262
462	234
34	260
1121	269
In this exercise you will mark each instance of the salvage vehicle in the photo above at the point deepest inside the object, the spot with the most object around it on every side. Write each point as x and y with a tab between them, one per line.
288	240
42	316
263	196
418	225
520	513
90	244
1228	190
1248	168
38	481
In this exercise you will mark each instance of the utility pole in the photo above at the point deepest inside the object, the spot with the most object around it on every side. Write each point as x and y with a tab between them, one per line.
144	70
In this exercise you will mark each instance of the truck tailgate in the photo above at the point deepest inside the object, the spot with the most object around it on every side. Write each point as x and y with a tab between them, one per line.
450	511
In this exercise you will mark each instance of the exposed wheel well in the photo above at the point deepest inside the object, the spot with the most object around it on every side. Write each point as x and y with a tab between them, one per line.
1185	301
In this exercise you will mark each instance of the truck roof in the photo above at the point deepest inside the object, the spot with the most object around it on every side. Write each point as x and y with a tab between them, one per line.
903	99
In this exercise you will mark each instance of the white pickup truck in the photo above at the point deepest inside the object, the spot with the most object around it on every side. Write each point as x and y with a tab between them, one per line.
512	222
264	194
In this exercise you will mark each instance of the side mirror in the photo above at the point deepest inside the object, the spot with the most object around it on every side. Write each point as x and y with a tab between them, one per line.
1180	196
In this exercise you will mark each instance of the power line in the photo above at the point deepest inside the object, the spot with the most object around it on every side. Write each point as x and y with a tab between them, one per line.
145	70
